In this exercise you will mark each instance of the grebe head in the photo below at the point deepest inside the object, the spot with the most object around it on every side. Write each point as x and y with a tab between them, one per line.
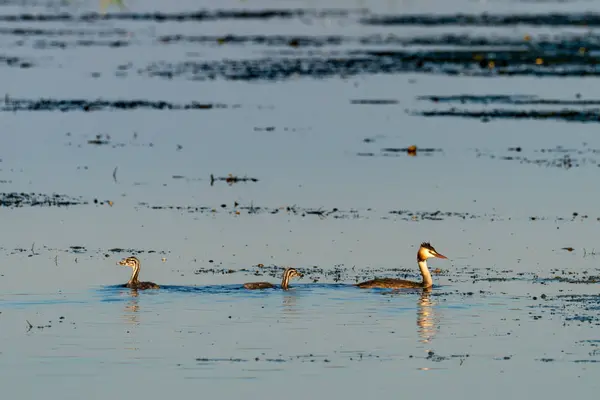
288	274
427	251
292	273
132	262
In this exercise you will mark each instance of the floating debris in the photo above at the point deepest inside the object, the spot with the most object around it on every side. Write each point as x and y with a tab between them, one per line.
435	215
15	62
48	325
411	151
61	44
567	115
77	249
558	157
38	200
57	32
261	40
566	42
374	102
506	99
12	104
468	62
302	358
336	213
231	179
487	19
99	141
206	15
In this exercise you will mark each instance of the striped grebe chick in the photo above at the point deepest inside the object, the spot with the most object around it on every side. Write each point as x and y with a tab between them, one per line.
425	251
134	283
288	274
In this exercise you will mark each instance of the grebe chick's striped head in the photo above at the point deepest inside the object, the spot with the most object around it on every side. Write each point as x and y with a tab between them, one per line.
132	262
292	273
427	251
288	274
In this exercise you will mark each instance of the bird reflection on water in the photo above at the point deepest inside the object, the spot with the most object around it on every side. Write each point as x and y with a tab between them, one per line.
132	308
289	304
427	317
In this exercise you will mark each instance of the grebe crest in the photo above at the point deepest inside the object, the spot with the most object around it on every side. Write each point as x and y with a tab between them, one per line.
426	251
288	274
133	282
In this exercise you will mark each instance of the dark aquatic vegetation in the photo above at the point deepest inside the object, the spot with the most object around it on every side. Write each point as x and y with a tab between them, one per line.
507	99
377	102
203	15
231	179
486	19
567	115
464	62
557	157
11	104
38	200
15	62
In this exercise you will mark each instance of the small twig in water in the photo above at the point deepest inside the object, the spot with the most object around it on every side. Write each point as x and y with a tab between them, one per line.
33	253
320	213
56	260
29	326
115	174
231	179
592	253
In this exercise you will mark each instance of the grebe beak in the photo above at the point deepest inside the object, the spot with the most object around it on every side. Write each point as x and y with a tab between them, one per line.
438	255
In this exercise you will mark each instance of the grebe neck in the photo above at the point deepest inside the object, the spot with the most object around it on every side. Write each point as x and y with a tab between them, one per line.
135	273
427	281
285	281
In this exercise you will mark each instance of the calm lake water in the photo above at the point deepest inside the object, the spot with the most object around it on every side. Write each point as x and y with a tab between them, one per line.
112	125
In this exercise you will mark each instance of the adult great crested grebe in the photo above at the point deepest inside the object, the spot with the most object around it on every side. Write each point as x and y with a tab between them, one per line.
134	283
285	282
425	251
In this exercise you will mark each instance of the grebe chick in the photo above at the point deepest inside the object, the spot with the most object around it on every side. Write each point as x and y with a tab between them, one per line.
288	274
425	251
134	283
